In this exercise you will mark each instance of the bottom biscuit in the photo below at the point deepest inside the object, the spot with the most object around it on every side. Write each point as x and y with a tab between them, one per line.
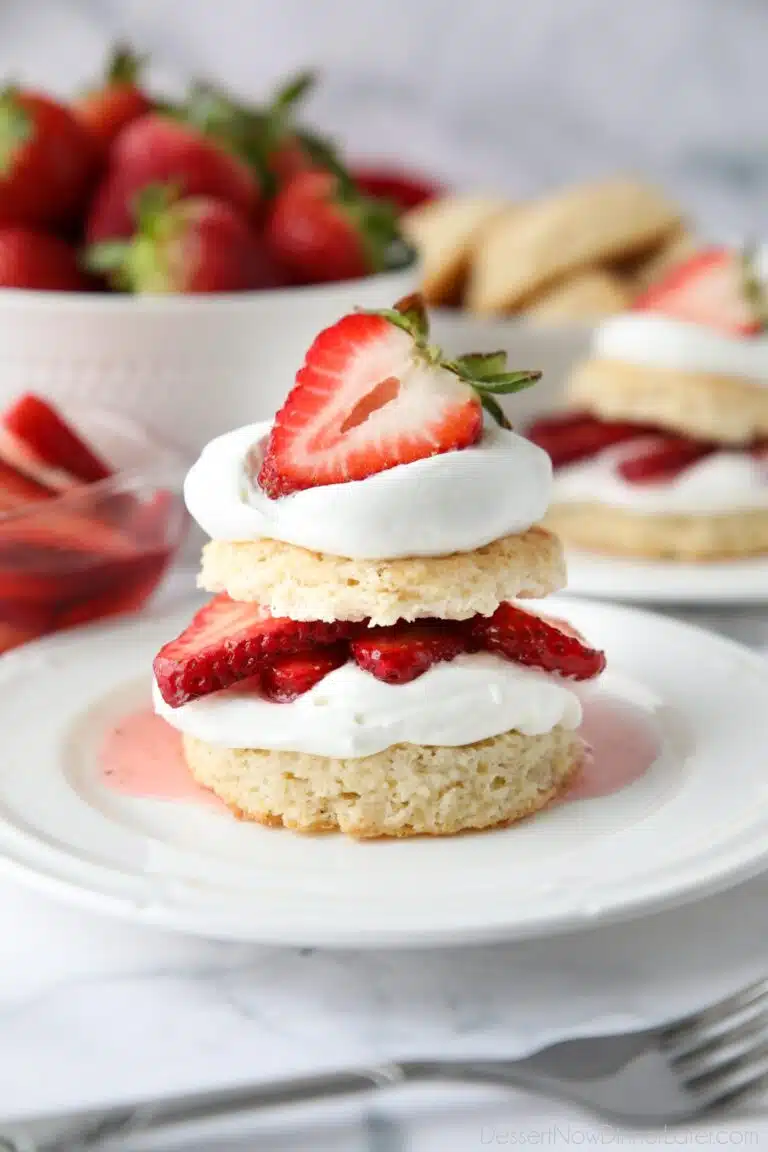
617	532
406	790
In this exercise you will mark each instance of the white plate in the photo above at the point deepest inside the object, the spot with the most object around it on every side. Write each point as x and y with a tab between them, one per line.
696	822
660	582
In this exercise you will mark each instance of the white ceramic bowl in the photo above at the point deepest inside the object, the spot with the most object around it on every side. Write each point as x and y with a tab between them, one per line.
187	367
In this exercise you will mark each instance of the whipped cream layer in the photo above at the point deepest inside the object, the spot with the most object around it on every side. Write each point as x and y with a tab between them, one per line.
351	713
651	341
721	483
454	502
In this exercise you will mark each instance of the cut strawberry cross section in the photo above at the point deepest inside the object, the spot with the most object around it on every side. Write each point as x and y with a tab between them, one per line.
540	643
716	288
373	394
228	641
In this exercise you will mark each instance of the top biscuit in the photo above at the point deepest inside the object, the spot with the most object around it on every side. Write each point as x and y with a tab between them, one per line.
518	254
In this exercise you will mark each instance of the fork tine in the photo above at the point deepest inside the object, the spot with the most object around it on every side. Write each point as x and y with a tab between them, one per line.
677	1033
735	1097
736	1031
719	1076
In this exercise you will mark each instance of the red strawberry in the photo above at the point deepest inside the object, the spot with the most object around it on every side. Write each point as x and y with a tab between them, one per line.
18	491
663	459
30	259
321	229
403	652
116	103
14	632
373	394
403	189
533	640
228	641
47	161
193	245
711	288
290	676
573	436
38	440
156	149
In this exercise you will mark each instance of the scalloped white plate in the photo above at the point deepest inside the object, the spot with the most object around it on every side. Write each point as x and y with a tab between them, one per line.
666	582
696	822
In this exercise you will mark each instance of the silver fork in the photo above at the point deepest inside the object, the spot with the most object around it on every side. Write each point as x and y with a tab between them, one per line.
694	1068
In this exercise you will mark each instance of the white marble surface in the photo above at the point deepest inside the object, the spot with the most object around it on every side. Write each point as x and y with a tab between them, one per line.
94	1010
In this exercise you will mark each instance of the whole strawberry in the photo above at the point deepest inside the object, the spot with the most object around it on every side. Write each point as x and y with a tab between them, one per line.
321	229
156	149
47	161
119	100
194	245
30	259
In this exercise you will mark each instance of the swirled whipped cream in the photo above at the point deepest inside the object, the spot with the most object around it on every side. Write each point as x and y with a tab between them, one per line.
351	713
453	502
720	483
651	341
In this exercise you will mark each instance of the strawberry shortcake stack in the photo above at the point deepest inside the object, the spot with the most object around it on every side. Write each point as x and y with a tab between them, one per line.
664	451
364	664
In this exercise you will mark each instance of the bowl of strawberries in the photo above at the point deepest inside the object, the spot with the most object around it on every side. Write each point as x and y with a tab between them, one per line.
173	261
91	516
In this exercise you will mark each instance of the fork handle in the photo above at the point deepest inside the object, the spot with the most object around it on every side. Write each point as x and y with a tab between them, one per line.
108	1127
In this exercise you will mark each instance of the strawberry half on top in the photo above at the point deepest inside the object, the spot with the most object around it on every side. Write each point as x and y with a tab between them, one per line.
373	394
719	288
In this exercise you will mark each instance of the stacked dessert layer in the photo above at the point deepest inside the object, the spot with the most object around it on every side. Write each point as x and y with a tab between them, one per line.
664	452
363	665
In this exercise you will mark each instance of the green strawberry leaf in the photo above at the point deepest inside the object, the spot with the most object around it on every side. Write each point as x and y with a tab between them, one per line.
16	128
480	365
494	409
505	383
288	95
753	287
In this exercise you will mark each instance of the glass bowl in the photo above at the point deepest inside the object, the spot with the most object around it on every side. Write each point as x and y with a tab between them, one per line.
96	550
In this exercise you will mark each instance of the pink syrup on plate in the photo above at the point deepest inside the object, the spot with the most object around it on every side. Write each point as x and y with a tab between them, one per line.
142	755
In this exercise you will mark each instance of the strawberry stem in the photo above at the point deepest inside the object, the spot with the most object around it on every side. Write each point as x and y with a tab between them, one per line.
485	372
124	66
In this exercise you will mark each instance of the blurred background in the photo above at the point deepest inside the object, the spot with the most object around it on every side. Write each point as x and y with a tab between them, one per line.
495	94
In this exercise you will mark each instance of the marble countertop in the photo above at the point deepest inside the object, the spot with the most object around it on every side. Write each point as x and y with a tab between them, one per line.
93	1010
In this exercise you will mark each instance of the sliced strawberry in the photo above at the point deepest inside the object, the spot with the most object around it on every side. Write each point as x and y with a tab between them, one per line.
576	436
19	491
14	635
710	289
40	438
538	642
290	676
228	641
662	459
402	652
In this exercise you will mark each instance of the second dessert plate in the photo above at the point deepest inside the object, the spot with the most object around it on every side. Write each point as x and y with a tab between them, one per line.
664	582
695	822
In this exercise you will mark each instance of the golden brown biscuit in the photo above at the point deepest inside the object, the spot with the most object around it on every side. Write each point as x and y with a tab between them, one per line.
579	227
444	232
306	585
407	790
724	409
584	296
617	532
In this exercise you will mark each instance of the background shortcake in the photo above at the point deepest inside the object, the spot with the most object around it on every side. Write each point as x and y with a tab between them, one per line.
664	451
363	664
